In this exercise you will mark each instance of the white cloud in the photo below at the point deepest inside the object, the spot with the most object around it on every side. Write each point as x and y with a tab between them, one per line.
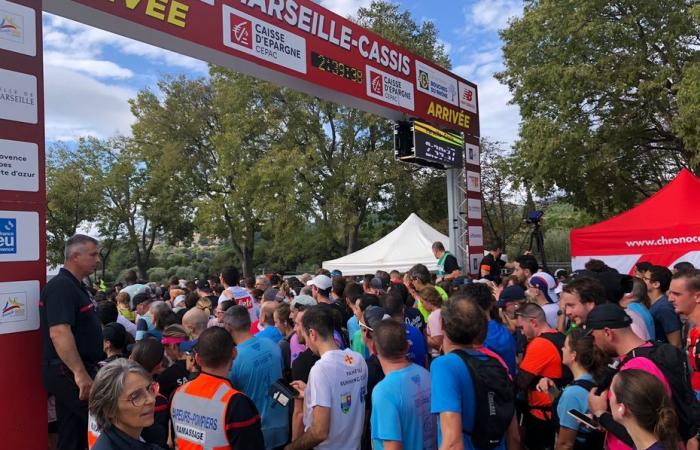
78	105
96	68
493	14
480	65
81	41
344	8
499	120
447	45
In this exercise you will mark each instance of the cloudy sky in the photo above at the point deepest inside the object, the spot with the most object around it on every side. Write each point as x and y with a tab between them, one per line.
90	74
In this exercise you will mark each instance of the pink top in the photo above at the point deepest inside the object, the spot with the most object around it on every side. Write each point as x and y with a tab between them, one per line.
295	348
434	328
645	364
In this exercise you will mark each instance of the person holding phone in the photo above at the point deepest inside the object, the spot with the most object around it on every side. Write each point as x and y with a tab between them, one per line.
583	358
640	402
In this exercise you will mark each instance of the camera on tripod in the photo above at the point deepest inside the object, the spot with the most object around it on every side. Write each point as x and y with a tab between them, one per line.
534	217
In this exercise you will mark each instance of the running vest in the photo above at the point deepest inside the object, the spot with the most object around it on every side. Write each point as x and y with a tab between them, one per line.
441	264
198	413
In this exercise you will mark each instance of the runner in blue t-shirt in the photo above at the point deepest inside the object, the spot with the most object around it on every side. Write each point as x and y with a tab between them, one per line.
401	401
417	347
452	388
258	364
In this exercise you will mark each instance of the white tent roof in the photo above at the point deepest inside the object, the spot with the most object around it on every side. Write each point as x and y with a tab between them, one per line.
407	245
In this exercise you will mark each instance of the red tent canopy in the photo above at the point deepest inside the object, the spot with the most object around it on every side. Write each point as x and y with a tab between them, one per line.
664	229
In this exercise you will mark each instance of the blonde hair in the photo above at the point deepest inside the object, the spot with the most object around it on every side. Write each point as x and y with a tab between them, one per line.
205	305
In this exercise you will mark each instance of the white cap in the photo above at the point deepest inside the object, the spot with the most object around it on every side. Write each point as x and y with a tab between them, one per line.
322	282
178	300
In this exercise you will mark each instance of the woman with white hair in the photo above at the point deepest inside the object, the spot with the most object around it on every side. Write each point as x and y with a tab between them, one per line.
122	400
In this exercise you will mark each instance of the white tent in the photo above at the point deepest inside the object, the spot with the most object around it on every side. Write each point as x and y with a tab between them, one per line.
407	245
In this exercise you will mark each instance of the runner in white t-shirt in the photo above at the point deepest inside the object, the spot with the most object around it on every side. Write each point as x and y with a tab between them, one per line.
230	278
334	398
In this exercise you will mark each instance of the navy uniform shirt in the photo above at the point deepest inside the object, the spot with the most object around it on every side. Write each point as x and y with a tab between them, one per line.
66	300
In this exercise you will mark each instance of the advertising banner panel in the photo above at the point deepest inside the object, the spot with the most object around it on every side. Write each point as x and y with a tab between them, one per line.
297	44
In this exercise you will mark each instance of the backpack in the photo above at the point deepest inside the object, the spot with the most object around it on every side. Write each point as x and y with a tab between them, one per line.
593	439
674	365
557	339
494	399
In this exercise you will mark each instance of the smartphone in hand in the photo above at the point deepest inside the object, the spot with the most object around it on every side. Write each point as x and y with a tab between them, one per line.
584	419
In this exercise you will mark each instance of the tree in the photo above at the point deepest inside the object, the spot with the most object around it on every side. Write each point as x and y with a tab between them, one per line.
220	137
349	169
263	163
136	205
607	93
502	214
72	197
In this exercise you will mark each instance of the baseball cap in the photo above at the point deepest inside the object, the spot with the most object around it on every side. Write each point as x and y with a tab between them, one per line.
607	315
511	294
303	300
322	282
188	346
115	333
270	294
560	272
372	316
180	299
541	284
377	283
203	285
336	273
143	297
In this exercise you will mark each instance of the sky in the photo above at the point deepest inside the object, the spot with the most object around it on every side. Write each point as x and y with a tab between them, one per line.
90	74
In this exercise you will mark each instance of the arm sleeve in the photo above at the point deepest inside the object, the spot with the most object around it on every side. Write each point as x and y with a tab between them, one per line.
445	395
59	308
385	421
243	428
538	355
668	319
318	389
435	324
606	421
569	400
451	264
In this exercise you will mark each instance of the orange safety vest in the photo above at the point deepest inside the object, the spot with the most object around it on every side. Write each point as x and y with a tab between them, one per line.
198	412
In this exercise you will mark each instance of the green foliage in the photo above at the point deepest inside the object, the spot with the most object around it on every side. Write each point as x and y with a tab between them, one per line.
72	197
608	95
157	274
276	179
502	213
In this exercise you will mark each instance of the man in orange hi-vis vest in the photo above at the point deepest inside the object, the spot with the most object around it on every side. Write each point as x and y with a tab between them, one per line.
207	412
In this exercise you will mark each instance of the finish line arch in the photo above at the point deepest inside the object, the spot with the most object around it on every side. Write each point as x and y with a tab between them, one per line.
293	43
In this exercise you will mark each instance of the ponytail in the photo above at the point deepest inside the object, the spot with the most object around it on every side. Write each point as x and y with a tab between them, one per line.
666	426
649	403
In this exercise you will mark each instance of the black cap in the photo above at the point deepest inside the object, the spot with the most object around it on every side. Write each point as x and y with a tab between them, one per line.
142	297
373	315
115	333
203	285
378	283
607	315
513	293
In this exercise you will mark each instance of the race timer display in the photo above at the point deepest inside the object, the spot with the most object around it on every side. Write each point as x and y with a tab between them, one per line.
330	65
